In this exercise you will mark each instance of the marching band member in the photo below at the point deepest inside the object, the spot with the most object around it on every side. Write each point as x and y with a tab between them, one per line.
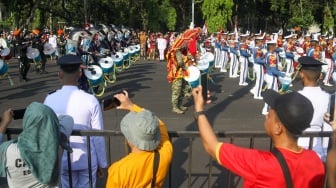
224	48
243	59
217	50
289	51
258	67
272	71
38	43
306	43
329	51
233	52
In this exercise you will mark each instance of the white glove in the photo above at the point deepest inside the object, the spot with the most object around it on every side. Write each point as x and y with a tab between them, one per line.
289	75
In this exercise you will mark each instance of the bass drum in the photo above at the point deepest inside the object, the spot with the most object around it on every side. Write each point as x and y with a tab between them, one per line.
6	54
3	67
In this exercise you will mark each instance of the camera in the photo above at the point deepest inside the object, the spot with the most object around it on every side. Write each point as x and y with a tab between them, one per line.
112	102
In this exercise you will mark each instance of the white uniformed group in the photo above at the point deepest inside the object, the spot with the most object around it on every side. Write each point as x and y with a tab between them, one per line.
272	59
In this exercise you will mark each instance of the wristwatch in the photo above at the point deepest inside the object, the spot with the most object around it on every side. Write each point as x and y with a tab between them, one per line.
197	114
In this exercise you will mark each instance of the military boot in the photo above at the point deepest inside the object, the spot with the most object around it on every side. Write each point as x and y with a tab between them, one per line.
177	110
183	108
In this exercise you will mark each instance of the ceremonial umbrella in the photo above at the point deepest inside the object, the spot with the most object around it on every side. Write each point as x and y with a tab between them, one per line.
185	37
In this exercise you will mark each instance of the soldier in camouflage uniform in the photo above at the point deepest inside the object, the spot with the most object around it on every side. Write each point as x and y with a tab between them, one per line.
178	61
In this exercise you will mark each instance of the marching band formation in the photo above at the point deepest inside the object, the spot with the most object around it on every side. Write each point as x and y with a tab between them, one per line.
271	60
104	51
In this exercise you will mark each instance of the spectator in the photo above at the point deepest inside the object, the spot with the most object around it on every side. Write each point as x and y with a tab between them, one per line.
32	160
331	162
289	115
310	73
87	116
147	137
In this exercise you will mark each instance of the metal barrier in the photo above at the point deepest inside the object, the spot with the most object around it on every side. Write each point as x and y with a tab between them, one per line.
230	136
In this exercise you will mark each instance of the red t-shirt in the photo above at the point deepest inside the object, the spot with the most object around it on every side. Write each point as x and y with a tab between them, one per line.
262	169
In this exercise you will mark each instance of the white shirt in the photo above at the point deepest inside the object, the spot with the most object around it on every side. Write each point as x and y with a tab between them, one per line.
320	102
162	43
18	173
53	41
86	112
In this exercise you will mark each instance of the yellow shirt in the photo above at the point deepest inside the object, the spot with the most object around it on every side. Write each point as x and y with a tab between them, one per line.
136	169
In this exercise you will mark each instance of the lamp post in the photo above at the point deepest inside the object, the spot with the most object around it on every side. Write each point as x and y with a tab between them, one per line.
192	14
85	11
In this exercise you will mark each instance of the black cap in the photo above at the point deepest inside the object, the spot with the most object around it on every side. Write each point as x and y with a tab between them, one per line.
69	59
294	110
309	63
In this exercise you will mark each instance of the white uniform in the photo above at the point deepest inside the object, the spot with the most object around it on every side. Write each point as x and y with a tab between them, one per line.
162	45
86	112
320	101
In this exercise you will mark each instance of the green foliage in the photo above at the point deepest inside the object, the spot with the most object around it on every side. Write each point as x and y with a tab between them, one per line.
164	15
217	13
328	20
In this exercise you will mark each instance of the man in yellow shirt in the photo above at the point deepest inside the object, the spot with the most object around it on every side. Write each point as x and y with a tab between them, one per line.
147	137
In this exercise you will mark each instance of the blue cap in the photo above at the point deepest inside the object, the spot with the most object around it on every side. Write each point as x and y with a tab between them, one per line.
69	59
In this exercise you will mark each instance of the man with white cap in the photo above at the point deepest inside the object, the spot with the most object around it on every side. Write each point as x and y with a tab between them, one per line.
32	160
151	152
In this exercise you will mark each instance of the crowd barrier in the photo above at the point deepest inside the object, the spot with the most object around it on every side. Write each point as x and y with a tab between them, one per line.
251	139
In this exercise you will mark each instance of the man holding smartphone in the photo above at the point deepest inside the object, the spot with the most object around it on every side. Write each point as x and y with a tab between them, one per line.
310	73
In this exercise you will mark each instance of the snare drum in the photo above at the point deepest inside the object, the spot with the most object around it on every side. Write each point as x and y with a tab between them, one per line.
3	67
118	59
6	54
106	64
94	74
34	54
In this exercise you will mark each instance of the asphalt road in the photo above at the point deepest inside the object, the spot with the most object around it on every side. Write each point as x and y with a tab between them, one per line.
233	109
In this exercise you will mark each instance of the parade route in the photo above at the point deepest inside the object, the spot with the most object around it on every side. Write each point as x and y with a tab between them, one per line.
233	109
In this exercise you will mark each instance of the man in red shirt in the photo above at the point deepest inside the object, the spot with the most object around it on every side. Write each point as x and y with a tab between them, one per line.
289	115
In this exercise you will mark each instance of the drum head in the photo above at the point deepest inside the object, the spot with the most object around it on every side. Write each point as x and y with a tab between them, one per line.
48	49
32	53
106	62
93	72
5	52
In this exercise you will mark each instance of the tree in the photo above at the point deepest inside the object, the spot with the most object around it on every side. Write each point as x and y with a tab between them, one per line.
217	13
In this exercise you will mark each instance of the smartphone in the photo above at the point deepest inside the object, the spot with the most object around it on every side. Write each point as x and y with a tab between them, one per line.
204	83
331	107
112	102
18	114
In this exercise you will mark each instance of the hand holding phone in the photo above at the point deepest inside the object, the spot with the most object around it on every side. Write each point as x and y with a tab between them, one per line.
113	102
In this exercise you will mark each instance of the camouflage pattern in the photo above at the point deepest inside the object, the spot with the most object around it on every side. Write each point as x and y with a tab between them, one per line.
180	88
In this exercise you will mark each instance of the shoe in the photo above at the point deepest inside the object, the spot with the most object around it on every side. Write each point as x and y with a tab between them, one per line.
264	111
252	91
328	84
177	111
258	97
44	72
183	108
243	84
223	70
